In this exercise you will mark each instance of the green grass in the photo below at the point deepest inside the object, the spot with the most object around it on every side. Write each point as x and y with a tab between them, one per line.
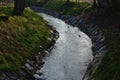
31	2
110	67
72	8
5	11
20	38
54	4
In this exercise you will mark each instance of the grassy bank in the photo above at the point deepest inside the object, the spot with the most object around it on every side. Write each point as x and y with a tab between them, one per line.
72	8
108	24
21	38
110	67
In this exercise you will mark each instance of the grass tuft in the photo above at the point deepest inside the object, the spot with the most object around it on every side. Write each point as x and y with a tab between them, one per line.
20	38
72	8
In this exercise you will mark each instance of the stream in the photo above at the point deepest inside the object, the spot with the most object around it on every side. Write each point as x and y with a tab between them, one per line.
71	54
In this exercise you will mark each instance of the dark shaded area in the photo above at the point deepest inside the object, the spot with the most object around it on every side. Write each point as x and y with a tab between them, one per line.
112	5
4	18
19	6
109	25
103	19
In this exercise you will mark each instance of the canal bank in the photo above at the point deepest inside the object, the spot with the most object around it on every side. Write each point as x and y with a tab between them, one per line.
24	41
98	47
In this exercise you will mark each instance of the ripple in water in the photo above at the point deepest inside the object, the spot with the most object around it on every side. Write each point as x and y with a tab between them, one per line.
71	55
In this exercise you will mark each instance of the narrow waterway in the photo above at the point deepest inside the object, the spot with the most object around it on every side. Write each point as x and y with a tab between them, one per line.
71	55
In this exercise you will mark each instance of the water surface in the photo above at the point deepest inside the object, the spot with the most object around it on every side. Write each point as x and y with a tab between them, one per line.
71	54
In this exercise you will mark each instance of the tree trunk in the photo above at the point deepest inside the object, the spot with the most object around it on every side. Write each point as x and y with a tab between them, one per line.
19	6
94	3
100	4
